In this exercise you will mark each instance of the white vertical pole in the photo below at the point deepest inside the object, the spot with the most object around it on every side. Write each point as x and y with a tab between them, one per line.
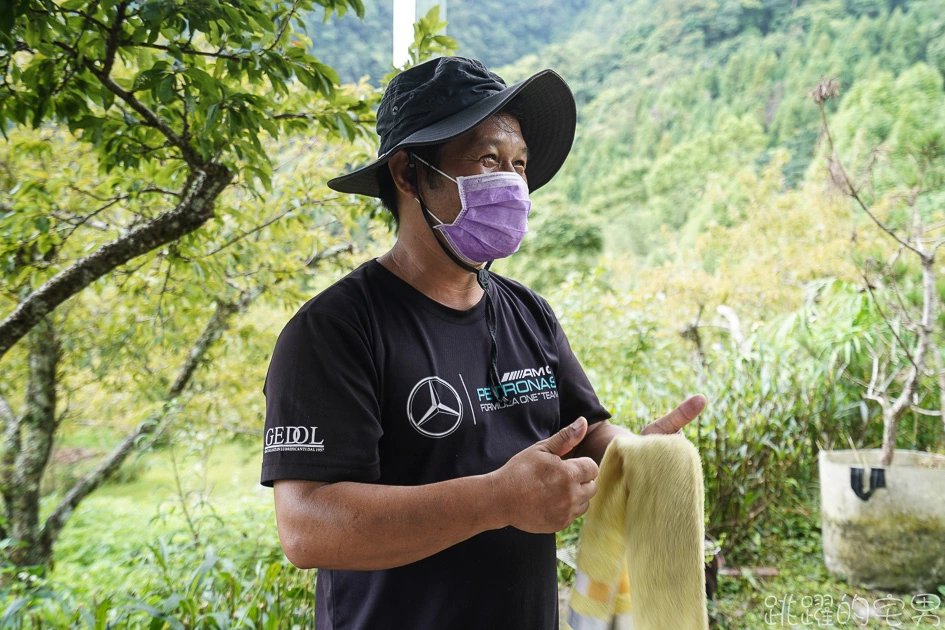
405	14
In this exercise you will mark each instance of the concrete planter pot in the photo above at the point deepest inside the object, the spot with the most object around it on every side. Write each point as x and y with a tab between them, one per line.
884	529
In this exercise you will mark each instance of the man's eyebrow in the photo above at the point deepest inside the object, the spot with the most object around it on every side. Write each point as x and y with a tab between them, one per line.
491	142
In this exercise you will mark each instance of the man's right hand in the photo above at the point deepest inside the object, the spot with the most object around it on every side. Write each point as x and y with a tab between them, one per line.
541	493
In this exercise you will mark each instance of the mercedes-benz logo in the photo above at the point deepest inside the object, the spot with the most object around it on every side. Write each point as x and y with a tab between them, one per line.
434	408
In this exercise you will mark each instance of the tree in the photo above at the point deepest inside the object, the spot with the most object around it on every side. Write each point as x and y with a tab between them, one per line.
895	130
147	201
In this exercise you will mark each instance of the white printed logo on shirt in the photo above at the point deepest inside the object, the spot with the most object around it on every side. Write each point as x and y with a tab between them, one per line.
434	407
291	438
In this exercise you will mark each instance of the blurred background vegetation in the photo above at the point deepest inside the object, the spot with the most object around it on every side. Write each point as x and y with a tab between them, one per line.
695	241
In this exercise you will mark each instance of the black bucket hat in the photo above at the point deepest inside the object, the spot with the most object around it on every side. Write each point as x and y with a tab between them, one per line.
442	99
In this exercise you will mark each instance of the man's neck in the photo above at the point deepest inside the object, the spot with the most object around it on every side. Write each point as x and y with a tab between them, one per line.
420	262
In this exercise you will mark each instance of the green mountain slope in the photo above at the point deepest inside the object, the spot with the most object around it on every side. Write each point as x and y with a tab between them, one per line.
680	99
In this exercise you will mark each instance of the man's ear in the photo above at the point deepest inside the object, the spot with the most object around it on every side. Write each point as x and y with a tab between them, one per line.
403	174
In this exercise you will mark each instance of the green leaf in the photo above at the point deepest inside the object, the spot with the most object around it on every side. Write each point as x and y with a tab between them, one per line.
10	613
204	82
358	7
101	613
209	561
328	72
165	90
147	79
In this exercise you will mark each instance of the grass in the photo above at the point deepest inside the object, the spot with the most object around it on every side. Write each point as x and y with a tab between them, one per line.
150	534
804	594
219	502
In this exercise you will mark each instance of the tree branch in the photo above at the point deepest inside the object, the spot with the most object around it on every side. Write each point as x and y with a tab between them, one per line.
887	321
187	50
85	14
843	178
104	75
285	24
111	44
871	388
190	50
212	332
11	448
305	116
318	257
150	118
195	209
6	412
892	415
160	191
89	217
153	425
243	235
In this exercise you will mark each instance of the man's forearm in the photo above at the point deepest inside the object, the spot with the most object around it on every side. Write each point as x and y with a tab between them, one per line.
358	526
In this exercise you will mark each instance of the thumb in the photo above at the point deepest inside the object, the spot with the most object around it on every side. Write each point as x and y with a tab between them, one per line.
565	439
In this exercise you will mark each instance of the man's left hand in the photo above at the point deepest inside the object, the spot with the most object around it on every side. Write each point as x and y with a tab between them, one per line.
675	420
600	434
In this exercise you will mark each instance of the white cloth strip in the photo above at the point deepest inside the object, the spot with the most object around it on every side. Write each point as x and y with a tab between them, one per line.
583	622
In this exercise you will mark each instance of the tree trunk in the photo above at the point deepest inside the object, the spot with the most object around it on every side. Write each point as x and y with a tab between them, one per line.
940	368
892	414
32	445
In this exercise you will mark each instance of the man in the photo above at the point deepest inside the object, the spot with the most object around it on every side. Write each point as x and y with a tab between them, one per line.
428	428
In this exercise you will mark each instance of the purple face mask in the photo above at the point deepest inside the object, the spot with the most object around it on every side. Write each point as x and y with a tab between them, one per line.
494	216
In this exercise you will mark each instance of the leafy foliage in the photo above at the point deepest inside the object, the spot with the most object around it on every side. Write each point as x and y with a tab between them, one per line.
777	397
221	570
162	167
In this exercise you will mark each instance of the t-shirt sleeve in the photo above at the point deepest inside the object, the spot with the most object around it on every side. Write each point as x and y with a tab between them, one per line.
322	411
576	394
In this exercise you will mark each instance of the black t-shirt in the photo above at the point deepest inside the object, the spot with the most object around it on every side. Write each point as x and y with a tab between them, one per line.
372	381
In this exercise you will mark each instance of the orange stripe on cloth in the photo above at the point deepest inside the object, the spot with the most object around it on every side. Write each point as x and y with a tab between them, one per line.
599	591
624	588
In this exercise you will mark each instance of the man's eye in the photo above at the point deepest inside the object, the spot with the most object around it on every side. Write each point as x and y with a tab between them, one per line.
519	164
490	158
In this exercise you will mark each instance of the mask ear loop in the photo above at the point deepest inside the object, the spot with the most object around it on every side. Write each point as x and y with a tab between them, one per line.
482	277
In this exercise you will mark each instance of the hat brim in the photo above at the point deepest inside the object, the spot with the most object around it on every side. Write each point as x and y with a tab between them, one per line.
548	119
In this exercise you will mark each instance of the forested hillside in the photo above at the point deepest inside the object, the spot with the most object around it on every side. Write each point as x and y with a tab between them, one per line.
682	102
495	31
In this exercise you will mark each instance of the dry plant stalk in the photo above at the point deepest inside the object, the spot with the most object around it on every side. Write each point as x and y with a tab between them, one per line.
885	372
